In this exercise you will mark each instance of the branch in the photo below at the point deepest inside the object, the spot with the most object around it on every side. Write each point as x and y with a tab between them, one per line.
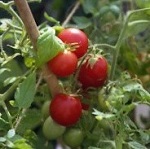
71	13
32	30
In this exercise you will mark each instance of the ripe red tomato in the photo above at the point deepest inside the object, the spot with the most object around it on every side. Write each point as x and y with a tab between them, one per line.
93	74
65	109
75	36
64	64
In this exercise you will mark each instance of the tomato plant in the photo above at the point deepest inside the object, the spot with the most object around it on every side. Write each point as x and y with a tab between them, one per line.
91	61
76	38
45	109
52	130
64	64
93	73
73	137
65	109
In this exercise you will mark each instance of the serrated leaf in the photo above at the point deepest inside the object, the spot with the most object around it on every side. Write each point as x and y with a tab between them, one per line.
30	121
136	145
24	95
137	88
102	115
48	46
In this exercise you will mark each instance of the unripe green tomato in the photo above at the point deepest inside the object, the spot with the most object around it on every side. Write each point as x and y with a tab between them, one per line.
73	137
115	10
45	109
52	130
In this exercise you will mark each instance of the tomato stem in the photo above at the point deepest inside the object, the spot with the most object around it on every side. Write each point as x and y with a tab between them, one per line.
120	39
7	113
32	30
8	8
77	4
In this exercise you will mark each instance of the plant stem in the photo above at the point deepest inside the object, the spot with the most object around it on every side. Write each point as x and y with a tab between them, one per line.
20	118
105	46
8	8
28	20
9	92
117	48
71	13
32	30
7	113
120	39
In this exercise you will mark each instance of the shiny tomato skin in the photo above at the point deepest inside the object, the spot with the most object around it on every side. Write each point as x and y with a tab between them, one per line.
93	75
52	130
64	64
65	109
74	35
73	137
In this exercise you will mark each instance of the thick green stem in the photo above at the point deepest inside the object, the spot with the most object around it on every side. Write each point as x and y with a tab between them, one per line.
8	8
120	39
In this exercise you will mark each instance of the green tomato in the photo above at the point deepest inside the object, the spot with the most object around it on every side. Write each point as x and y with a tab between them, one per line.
52	130
45	109
73	137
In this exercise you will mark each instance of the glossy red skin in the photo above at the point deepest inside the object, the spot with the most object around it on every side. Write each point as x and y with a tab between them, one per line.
66	110
73	35
93	76
64	64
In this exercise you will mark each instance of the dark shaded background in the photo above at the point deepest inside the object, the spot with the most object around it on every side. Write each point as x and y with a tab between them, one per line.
55	8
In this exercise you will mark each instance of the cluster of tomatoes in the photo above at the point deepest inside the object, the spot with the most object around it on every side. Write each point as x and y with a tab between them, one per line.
65	109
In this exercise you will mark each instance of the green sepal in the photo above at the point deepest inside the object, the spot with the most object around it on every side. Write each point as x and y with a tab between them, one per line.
48	46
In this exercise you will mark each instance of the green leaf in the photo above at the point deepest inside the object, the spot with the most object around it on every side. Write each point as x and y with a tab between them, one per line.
3	70
143	3
48	46
101	115
82	22
89	6
2	139
93	147
136	27
24	95
138	21
20	144
30	121
136	145
135	87
10	80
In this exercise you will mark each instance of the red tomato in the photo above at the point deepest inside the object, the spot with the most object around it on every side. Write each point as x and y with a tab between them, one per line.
85	106
93	74
64	64
65	109
75	36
